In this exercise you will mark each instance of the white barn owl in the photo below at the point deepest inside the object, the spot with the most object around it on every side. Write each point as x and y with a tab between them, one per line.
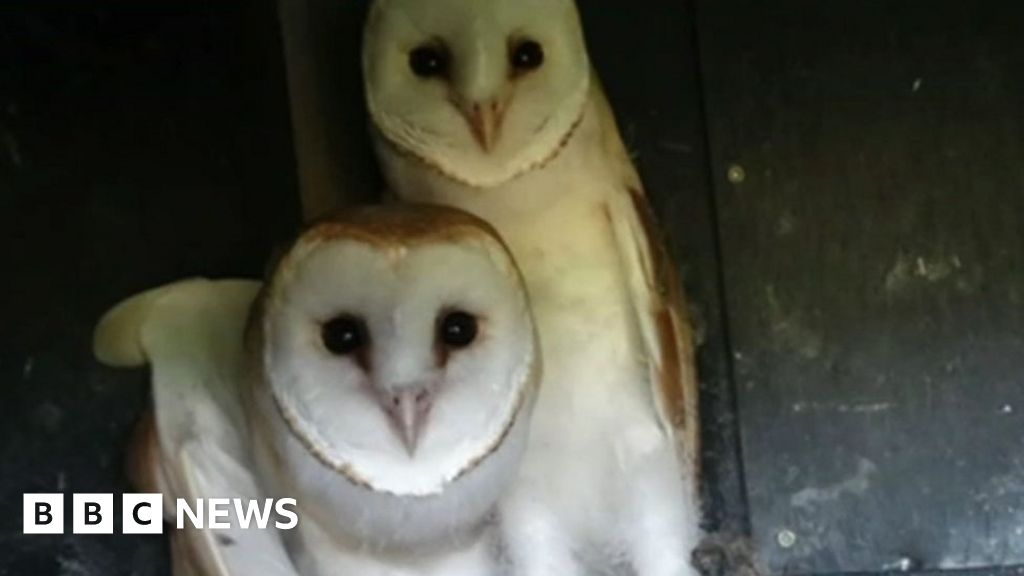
493	107
385	381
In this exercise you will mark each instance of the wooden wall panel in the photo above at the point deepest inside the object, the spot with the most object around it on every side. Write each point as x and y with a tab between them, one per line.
868	159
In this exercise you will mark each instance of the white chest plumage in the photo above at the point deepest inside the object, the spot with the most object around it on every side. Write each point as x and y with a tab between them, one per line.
340	517
602	484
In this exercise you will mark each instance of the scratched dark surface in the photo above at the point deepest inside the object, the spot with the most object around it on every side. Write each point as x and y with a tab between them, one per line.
138	145
874	269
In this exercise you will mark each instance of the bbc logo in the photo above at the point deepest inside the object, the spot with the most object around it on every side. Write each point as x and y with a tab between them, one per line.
144	513
93	514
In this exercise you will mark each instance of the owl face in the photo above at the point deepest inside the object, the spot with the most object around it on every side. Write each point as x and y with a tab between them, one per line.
480	91
398	346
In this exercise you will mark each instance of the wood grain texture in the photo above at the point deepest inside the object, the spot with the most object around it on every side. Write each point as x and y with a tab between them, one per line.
138	144
873	254
322	40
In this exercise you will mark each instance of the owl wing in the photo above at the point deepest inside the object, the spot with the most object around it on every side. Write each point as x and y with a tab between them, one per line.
656	294
191	334
209	471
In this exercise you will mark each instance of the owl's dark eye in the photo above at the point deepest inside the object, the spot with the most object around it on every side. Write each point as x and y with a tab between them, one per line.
429	61
344	335
457	329
526	55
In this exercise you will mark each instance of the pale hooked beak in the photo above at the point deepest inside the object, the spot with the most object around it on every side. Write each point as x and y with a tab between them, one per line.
485	119
408	409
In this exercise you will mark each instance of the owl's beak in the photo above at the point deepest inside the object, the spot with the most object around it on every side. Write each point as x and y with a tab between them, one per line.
408	409
485	119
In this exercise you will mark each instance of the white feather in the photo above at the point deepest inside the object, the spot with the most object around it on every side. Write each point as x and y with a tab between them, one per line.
190	333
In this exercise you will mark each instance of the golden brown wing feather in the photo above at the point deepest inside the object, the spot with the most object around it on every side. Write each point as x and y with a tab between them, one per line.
659	297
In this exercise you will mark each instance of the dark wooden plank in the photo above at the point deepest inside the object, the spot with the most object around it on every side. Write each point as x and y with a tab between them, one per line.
322	40
138	145
873	254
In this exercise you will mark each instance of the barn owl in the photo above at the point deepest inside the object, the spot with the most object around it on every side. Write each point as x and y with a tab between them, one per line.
492	107
385	380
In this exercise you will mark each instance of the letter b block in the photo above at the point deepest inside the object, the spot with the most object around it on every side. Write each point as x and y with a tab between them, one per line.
93	514
43	514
